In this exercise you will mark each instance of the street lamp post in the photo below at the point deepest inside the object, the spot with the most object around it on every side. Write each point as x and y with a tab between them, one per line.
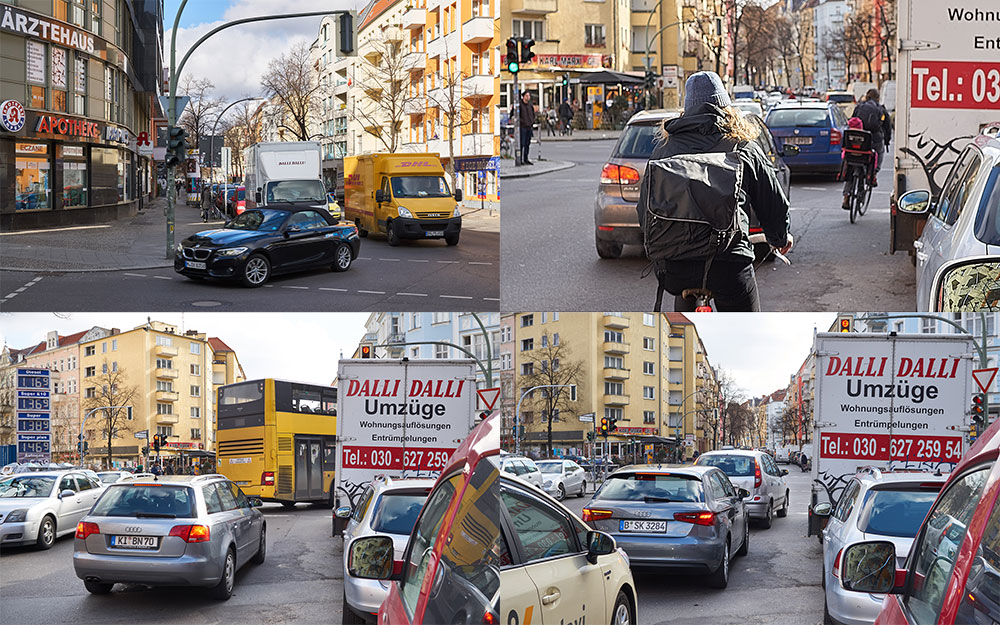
211	140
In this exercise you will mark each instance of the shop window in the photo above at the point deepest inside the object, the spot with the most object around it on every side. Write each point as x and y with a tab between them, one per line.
74	168
104	176
37	97
33	184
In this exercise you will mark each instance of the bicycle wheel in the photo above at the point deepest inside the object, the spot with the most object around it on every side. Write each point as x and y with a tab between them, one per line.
853	201
866	196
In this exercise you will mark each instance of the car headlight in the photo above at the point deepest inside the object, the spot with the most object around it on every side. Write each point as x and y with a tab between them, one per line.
458	211
232	251
405	212
17	516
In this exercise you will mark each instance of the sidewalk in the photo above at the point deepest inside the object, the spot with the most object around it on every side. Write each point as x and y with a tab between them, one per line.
539	167
579	135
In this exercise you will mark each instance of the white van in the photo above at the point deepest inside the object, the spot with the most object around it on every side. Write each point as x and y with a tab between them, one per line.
289	171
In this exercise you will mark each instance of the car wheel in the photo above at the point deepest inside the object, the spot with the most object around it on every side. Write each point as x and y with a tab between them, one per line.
361	231
391	236
561	494
768	516
784	509
258	558
622	614
224	589
583	488
720	578
46	533
97	588
745	547
256	271
349	616
608	249
343	257
452	239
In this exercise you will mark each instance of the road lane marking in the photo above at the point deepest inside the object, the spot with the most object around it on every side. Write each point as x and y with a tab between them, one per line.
163	277
373	292
304	288
414	260
326	288
478	263
391	260
455	296
413	294
135	275
491	299
812	188
448	262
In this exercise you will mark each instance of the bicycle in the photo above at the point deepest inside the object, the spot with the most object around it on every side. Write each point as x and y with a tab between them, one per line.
507	142
859	170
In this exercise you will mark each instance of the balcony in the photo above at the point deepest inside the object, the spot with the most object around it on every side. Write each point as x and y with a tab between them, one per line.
535	7
613	320
615	348
414	61
416	106
437	98
167	396
478	30
478	86
166	419
477	144
615	374
167	374
414	18
433	5
615	400
165	350
435	47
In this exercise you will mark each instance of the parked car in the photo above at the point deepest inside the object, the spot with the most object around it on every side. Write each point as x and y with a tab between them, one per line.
522	468
693	518
562	477
816	128
844	100
110	477
174	530
873	505
963	220
938	584
236	201
38	507
386	507
263	242
749	106
759	475
781	455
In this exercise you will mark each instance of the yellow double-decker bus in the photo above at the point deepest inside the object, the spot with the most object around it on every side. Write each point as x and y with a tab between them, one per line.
277	439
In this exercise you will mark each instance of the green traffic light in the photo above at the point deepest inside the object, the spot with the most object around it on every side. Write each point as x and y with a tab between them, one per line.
513	67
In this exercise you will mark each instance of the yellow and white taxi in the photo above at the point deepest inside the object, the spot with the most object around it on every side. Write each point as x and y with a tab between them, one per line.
554	568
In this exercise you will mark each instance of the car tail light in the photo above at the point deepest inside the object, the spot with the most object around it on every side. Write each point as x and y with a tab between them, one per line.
703	309
490	619
84	529
397	567
836	564
267	478
756	474
835	136
698	518
593	514
609	175
627	175
192	533
619	174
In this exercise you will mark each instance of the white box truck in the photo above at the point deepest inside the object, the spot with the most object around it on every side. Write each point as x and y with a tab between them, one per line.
399	418
290	171
947	90
893	402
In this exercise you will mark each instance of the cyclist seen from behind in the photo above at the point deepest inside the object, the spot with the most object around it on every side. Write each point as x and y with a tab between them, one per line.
875	119
710	124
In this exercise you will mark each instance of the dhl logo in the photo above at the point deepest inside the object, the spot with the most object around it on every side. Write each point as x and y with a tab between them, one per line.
354	180
415	164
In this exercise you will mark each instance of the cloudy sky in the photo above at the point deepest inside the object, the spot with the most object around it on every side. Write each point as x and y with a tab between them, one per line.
296	346
235	59
760	350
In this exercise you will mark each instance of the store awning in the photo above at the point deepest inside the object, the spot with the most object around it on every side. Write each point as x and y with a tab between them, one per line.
608	77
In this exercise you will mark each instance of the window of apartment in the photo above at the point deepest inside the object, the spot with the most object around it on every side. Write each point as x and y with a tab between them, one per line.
613	388
527	321
527	345
195	412
414	321
440	317
505	361
648	344
648	417
195	434
104	367
545	367
72	363
527	368
114	345
195	369
162	409
164	363
532	29
505	334
649	368
613	413
614	362
162	385
545	340
676	354
71	386
165	341
195	390
90	350
594	35
165	430
90	372
90	392
648	392
648	319
555	338
610	336
440	351
195	348
555	364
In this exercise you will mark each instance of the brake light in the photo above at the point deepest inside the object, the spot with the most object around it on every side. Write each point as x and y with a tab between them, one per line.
698	518
836	565
267	478
756	474
609	175
490	619
593	514
619	174
84	529
703	309
192	533
627	175
835	136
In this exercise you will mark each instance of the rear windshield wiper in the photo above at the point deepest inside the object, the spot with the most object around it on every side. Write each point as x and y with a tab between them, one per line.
154	515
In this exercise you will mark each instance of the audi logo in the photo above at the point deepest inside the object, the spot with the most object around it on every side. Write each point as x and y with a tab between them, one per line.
643	513
133	529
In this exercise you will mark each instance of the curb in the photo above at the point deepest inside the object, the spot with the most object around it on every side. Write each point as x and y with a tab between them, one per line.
88	270
549	170
554	140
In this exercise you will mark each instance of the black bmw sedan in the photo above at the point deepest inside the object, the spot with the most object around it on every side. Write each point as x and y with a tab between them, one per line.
266	241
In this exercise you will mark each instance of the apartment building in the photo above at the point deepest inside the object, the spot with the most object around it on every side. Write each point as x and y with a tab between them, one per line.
828	25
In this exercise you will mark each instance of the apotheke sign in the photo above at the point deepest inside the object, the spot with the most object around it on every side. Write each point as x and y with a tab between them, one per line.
33	25
68	126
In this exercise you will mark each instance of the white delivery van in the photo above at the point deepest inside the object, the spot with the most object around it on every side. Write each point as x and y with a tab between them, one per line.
290	171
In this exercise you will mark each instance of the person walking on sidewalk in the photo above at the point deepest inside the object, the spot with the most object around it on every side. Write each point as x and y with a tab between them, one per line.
566	116
526	118
206	201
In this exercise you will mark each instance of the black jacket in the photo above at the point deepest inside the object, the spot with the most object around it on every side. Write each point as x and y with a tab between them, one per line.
876	120
565	111
699	133
526	113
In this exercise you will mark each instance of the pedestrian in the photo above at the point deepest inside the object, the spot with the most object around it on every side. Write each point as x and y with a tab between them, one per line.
526	118
206	201
551	122
155	469
875	119
711	124
566	117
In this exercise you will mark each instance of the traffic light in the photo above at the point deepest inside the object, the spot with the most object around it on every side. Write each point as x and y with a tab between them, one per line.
605	426
347	36
145	450
82	446
366	351
511	58
978	414
156	442
590	436
565	80
613	425
527	56
845	323
649	80
176	146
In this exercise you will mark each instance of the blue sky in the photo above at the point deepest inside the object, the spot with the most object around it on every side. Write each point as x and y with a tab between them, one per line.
195	12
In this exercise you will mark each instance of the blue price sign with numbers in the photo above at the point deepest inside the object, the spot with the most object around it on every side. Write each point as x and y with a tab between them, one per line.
34	403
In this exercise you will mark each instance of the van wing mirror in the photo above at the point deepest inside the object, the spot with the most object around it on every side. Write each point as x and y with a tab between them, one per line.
380	196
916	202
966	284
458	195
599	544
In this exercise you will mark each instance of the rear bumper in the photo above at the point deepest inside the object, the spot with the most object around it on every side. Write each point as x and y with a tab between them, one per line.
407	228
696	554
756	509
615	219
851	608
815	161
187	570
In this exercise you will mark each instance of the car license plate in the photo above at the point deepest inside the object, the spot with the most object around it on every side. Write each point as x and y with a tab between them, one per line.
134	542
193	264
799	140
643	526
435	233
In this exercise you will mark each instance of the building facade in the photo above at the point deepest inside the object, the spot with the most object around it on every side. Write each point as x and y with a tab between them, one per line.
78	86
828	28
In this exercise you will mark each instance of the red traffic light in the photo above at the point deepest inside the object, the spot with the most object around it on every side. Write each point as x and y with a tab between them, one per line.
366	351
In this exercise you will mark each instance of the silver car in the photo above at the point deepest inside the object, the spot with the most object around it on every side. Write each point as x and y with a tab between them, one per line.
173	530
521	468
873	506
110	477
561	477
386	507
688	518
758	473
38	507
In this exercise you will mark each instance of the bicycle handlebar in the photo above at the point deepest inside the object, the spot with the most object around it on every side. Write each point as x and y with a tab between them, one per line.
759	237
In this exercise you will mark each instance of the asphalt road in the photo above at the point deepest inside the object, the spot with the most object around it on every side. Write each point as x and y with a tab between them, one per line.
777	583
549	261
417	276
300	581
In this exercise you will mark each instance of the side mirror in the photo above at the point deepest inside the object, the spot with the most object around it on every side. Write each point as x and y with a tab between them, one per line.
458	195
914	202
256	502
371	558
343	512
256	196
870	567
966	284
822	509
599	544
790	150
67	493
784	471
380	196
743	493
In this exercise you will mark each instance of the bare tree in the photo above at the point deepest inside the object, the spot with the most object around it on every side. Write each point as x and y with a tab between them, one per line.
386	77
292	83
551	365
708	30
201	112
885	18
862	37
453	102
241	132
111	388
730	398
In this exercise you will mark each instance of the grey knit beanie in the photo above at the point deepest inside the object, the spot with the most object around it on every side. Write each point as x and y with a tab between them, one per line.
704	87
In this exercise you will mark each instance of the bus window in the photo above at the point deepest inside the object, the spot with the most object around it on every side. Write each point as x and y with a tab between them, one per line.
241	405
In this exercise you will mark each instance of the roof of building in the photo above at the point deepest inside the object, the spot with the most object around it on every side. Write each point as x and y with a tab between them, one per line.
70	339
373	10
677	318
218	345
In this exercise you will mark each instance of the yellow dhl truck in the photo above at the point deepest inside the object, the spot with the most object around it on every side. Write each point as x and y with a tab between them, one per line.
404	196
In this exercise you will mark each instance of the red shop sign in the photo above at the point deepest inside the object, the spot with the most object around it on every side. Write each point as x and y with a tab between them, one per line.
67	126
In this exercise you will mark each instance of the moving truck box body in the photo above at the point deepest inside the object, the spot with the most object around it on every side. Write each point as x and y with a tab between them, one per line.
284	171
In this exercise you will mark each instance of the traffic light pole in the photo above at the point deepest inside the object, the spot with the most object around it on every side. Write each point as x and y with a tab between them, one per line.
517	123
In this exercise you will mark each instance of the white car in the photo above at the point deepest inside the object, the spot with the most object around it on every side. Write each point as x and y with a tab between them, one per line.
561	477
110	477
522	468
38	507
759	474
554	568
